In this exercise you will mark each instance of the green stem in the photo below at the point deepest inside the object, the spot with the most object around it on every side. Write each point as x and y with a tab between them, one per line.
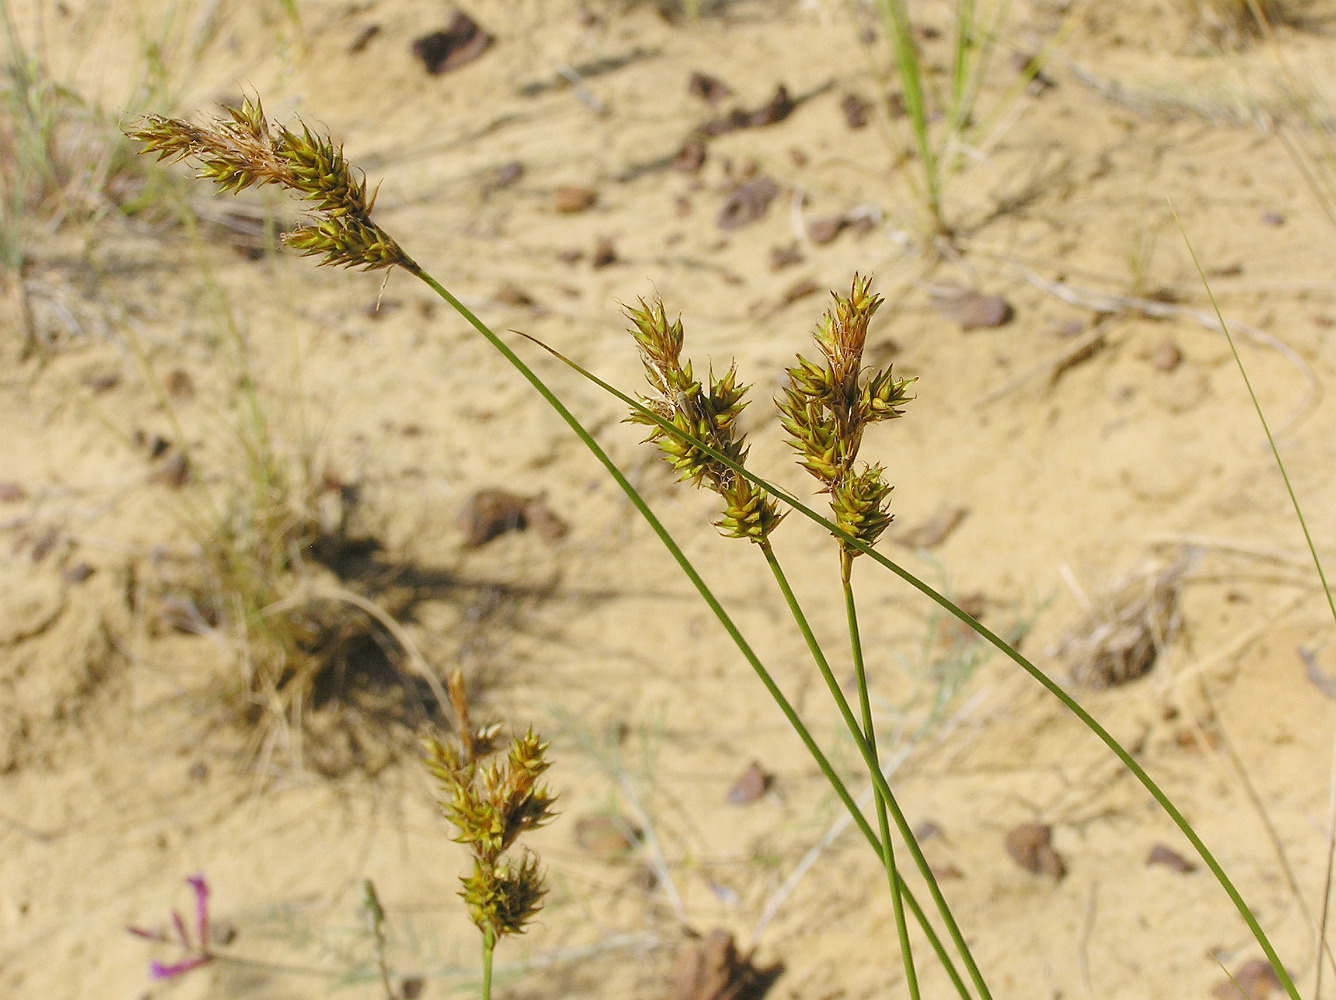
707	595
901	31
1001	646
870	734
874	770
488	948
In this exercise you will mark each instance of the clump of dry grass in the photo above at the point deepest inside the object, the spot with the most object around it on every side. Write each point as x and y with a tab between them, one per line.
1125	628
1234	23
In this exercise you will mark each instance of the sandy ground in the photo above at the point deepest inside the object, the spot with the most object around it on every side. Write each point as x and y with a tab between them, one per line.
118	779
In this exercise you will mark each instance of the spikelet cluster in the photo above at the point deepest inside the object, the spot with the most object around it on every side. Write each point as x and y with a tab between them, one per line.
243	149
492	798
828	403
708	412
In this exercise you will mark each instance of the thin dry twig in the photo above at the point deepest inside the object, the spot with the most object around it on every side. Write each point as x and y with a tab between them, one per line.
1103	302
1051	366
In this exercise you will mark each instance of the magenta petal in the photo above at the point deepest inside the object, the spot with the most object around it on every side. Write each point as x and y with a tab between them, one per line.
157	970
146	934
180	926
201	888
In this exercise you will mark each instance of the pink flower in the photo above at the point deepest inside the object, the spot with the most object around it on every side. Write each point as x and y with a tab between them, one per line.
197	952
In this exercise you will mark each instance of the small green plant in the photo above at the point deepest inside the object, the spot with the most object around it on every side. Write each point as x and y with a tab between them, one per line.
492	805
940	122
826	408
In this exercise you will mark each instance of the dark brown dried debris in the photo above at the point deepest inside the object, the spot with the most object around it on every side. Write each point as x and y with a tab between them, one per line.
179	385
460	42
690	158
708	88
785	256
173	471
605	253
856	109
779	107
363	39
1030	846
571	198
511	294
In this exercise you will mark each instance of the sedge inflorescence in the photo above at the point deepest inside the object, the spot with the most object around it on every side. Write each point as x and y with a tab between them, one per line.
492	799
245	149
705	411
828	403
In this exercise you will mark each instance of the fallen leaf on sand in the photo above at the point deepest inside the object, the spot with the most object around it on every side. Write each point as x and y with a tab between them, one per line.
491	513
1169	858
1030	846
748	202
606	837
710	968
460	42
750	786
823	229
973	310
1253	980
571	198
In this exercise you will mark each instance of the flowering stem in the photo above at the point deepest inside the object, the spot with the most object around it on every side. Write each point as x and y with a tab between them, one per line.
488	948
707	595
870	734
874	770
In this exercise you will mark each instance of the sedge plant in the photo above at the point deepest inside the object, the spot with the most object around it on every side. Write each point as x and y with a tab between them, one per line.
491	805
826	407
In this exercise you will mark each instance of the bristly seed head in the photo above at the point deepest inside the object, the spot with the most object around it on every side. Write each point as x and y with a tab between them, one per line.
491	805
828	404
243	149
706	412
